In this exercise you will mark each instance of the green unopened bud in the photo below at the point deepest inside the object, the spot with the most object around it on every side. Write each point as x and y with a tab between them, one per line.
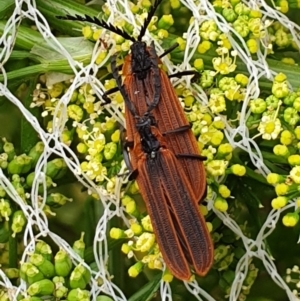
79	246
5	209
165	22
280	89
110	150
36	152
229	14
286	137
221	204
30	179
12	273
242	9
281	150
30	273
110	125
126	248
274	178
58	280
241	79
19	188
44	249
18	222
79	277
126	199
207	79
282	188
226	262
56	169
115	137
290	219
131	208
204	47
291	116
78	295
220	252
2	192
57	200
41	288
146	4
133	188
224	150
45	266
241	26
167	276
117	233
224	191
49	184
136	229
60	289
16	165
67	136
134	270
296	104
279	202
294	160
280	77
9	149
3	161
62	263
82	148
238	170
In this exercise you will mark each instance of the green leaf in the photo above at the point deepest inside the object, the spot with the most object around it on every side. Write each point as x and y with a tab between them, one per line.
6	7
147	291
28	136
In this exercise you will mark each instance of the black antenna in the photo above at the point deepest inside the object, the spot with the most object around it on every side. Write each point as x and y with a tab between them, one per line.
148	19
100	23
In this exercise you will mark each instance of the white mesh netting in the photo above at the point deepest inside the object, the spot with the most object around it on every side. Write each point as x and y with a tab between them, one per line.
201	10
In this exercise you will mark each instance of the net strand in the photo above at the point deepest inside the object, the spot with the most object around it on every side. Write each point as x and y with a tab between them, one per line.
35	216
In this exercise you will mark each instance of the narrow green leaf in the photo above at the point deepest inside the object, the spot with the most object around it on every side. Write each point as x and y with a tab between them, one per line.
28	136
6	8
148	290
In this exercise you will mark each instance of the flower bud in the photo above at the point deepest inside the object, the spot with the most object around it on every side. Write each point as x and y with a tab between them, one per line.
79	277
221	204
9	149
57	200
56	169
12	273
290	219
44	249
41	288
18	222
5	209
30	273
36	152
110	150
78	295
79	246
45	266
134	270
62	263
